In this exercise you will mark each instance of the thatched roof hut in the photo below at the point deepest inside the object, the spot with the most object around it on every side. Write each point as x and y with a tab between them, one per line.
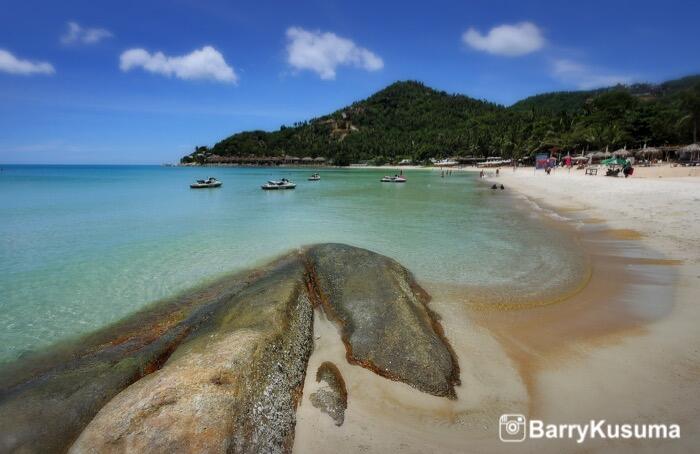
320	159
307	159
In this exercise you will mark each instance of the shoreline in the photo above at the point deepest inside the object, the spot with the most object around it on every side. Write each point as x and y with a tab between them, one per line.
638	369
621	347
665	170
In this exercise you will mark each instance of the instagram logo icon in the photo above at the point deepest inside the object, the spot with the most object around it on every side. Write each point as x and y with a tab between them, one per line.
511	428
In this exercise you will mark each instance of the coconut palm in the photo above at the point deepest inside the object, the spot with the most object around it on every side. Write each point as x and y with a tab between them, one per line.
690	103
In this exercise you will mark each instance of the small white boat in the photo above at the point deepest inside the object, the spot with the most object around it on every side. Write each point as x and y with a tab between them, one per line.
315	177
210	182
278	184
394	179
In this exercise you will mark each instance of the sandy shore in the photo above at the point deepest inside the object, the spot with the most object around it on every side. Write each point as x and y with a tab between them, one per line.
625	348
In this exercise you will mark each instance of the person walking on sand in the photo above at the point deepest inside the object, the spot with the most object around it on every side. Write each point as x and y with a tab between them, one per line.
497	172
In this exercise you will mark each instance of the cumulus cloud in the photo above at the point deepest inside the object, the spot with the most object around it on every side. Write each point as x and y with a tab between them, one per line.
506	40
584	77
77	34
322	53
204	63
13	65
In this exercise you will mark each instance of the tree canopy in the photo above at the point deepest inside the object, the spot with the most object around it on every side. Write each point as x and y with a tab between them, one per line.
410	120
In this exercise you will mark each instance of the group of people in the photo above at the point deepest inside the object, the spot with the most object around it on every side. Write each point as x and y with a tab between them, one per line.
482	174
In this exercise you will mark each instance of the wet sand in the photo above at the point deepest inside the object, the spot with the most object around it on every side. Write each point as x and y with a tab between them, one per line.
623	346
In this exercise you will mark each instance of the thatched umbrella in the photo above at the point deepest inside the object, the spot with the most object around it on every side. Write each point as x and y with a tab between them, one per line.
622	153
693	149
649	151
597	155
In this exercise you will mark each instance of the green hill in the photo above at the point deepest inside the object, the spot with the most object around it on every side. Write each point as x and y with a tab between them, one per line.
575	101
409	120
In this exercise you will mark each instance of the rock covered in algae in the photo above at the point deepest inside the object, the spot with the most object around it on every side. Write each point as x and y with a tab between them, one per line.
221	368
332	398
233	388
47	398
384	321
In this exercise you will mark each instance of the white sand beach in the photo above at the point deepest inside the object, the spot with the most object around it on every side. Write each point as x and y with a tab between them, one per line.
625	348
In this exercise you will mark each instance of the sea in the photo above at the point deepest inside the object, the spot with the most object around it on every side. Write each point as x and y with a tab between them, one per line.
83	246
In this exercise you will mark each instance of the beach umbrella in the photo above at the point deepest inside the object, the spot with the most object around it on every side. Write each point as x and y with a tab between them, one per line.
614	161
693	149
648	151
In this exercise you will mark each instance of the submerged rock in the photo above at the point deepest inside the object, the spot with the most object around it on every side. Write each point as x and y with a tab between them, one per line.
382	314
332	398
221	368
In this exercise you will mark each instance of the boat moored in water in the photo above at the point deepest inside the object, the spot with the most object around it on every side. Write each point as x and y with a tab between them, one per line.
210	182
315	177
394	179
278	184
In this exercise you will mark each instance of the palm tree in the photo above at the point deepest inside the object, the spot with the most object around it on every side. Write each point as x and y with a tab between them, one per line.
690	102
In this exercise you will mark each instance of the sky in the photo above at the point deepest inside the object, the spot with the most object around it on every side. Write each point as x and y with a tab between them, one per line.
143	82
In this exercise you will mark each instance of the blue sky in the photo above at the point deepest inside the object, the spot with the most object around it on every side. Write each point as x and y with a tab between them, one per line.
146	81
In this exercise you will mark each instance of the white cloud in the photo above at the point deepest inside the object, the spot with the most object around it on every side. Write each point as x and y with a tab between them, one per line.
13	65
506	40
204	63
78	34
584	77
322	53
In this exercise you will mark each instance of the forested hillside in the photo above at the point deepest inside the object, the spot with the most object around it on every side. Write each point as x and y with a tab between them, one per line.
409	120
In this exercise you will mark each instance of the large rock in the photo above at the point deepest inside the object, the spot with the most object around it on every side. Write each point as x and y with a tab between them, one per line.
233	388
48	398
221	368
382	314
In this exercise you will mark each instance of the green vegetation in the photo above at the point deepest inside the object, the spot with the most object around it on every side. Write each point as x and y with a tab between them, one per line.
410	120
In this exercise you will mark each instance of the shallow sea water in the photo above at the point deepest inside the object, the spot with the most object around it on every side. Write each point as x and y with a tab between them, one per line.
82	246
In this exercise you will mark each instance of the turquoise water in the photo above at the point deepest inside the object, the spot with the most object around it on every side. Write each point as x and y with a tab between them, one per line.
82	246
